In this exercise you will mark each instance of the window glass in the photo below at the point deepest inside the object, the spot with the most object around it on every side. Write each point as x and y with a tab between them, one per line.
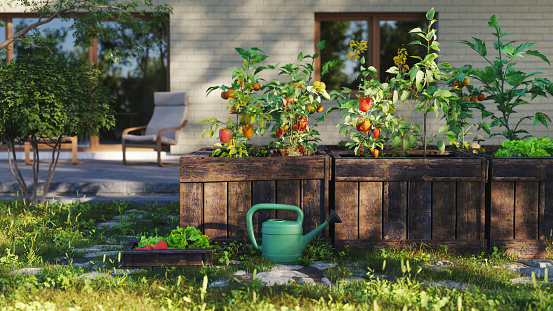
395	35
57	27
338	35
392	32
133	81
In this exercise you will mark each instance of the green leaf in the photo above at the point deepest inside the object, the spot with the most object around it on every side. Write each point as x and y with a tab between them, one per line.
430	14
493	21
321	45
300	56
538	54
441	146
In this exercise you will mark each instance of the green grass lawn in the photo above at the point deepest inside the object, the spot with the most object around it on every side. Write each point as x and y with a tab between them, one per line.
393	279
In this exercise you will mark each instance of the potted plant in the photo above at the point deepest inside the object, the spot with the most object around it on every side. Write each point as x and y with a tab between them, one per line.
391	198
518	190
218	187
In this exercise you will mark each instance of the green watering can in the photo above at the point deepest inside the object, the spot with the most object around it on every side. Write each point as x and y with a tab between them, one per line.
283	240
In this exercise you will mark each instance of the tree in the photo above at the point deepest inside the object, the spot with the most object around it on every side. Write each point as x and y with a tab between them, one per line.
37	102
89	16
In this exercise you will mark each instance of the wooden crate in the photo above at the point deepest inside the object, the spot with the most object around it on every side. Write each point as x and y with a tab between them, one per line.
521	205
216	193
165	257
388	202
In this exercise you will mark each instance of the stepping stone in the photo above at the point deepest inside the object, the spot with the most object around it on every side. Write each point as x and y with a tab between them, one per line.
350	280
102	253
95	275
539	263
28	271
109	224
286	267
321	265
524	280
280	277
448	284
219	284
512	266
326	281
239	273
307	281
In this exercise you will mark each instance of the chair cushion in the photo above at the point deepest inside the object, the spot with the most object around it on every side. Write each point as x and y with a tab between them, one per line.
147	139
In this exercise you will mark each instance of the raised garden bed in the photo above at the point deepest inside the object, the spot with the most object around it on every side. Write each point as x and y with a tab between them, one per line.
216	193
165	257
521	205
394	201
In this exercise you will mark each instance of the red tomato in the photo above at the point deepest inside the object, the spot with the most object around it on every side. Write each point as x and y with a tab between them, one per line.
160	245
224	135
365	104
300	149
145	247
279	132
302	123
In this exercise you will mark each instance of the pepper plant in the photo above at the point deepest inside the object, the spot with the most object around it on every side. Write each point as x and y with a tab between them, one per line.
292	102
245	105
507	86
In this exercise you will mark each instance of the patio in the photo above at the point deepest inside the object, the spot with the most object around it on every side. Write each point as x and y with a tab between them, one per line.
101	176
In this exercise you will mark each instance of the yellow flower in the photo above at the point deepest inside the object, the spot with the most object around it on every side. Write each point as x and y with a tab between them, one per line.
357	48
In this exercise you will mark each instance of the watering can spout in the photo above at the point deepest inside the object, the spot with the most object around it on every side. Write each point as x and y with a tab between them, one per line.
332	219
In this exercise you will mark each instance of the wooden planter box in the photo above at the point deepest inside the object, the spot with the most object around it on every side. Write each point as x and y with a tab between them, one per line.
165	257
216	193
389	202
521	204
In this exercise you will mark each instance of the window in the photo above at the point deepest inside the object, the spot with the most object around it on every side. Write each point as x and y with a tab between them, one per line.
133	80
385	34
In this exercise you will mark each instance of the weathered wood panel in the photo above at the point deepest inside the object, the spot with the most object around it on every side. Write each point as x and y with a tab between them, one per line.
546	210
370	244
288	192
394	210
210	169
420	210
313	199
191	204
526	210
347	207
522	169
239	202
444	200
470	201
166	258
263	191
502	210
215	210
370	210
525	249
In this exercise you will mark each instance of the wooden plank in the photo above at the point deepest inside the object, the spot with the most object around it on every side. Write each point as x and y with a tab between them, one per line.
394	210
522	169
191	204
526	210
288	192
408	169
215	209
166	258
443	210
263	191
525	249
420	210
239	202
211	169
502	210
347	207
469	207
312	205
546	210
370	210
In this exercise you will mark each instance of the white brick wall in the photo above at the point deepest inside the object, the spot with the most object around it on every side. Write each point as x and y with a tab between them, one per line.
205	33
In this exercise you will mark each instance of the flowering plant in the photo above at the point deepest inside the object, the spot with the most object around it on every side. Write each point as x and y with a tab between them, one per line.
244	104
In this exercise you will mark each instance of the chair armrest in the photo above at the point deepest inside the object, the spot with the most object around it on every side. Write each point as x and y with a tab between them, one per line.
131	129
160	133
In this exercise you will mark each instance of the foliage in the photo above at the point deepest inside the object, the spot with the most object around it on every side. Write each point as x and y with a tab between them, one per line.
292	102
181	238
531	147
466	97
369	120
422	82
244	104
89	16
50	96
507	86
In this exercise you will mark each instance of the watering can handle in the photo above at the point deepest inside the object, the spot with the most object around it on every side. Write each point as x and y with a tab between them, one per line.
269	206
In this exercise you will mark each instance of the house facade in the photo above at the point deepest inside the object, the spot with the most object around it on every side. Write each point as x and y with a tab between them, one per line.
203	35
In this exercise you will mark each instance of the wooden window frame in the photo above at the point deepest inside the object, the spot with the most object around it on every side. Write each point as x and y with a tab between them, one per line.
373	20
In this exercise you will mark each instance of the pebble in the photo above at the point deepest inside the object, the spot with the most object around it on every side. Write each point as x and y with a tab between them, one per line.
279	276
94	275
322	265
239	273
219	284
